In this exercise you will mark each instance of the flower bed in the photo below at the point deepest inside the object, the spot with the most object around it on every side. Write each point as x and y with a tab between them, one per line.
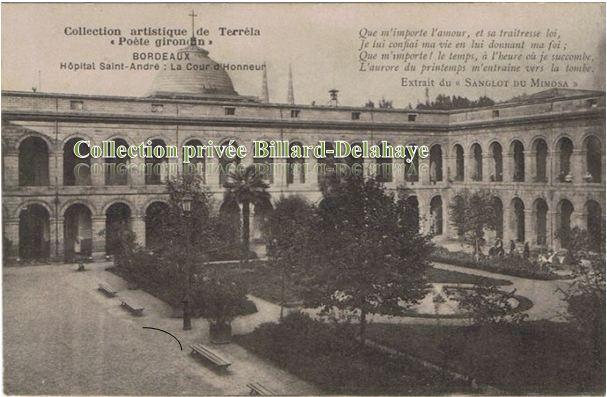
510	265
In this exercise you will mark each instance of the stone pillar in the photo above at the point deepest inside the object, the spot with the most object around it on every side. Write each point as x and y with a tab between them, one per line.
55	168
529	227
424	171
11	232
138	227
508	167
211	172
508	226
10	165
57	243
530	166
97	172
137	172
551	240
98	236
578	166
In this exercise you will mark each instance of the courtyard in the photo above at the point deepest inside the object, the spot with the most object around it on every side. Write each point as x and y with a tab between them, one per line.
63	337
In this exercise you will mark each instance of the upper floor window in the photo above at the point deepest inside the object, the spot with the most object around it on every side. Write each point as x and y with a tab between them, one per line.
411	117
76	105
355	115
230	111
295	113
496	113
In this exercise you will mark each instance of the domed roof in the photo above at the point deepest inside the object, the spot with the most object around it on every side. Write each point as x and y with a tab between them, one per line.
192	74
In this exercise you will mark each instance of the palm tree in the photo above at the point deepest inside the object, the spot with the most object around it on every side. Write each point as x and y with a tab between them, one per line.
246	187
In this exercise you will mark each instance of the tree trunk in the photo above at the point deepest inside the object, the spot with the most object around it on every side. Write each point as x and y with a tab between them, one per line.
245	230
363	326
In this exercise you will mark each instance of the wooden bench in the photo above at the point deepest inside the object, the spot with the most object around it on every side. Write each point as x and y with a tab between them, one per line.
257	389
132	307
107	290
208	354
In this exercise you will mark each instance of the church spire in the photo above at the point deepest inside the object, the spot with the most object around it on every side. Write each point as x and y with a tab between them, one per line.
265	95
290	95
193	38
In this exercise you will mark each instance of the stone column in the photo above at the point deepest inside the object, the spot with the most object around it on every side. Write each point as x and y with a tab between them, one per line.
97	172
529	227
57	243
508	166
551	240
578	166
530	166
10	170
137	172
138	227
98	237
11	232
424	171
508	226
55	168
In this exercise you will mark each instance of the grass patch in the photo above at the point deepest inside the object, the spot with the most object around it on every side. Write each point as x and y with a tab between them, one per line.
535	357
329	356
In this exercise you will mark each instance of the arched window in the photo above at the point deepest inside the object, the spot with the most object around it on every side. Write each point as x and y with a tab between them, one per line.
565	150
518	219
436	216
34	232
264	168
412	168
477	154
540	210
498	209
518	161
594	224
33	162
541	156
594	165
564	212
436	164
76	171
196	166
384	170
227	165
326	165
116	169
459	163
78	231
498	164
156	170
117	222
154	214
296	167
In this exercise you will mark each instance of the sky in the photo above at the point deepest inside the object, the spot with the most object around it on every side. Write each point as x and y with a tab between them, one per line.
320	41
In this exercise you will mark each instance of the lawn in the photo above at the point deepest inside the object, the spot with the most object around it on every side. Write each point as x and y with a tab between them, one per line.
536	357
263	280
329	356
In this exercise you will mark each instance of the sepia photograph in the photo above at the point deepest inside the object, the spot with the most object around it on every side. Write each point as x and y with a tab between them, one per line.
224	199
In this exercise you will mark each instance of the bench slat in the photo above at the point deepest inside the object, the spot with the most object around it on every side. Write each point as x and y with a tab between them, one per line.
135	309
257	389
105	288
210	355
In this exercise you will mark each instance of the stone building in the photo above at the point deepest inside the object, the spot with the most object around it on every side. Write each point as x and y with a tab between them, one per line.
541	155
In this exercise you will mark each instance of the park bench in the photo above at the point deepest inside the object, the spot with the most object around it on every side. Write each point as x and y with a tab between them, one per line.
257	389
132	307
215	359
107	290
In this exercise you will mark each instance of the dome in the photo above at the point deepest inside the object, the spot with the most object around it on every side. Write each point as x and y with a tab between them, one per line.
191	73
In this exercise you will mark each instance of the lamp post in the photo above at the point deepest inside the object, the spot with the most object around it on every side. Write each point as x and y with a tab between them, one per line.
186	205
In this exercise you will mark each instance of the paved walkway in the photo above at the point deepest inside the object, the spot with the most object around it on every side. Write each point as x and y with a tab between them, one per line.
61	336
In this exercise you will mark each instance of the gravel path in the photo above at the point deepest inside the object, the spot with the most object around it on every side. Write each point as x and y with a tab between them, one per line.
63	337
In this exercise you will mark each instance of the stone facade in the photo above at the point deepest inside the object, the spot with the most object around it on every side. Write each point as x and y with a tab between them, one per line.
551	147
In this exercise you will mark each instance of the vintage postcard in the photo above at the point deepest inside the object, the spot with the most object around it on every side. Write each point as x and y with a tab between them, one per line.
303	198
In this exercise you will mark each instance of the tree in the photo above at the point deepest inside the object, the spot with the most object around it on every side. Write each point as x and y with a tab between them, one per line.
363	256
585	296
472	214
246	187
287	230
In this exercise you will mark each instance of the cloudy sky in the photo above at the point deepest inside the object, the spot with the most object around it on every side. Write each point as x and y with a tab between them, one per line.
319	40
